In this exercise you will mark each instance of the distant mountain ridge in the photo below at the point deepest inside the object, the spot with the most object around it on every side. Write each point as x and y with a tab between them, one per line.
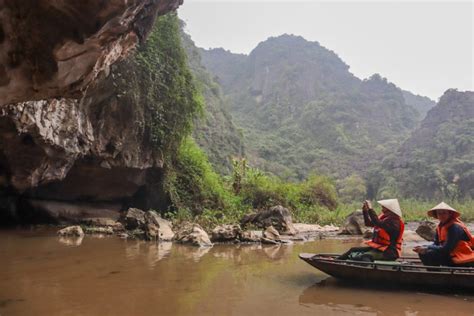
215	131
302	110
437	160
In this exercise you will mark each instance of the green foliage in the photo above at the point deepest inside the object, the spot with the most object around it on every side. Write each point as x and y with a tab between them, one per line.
192	182
214	131
165	85
352	188
319	190
437	161
260	190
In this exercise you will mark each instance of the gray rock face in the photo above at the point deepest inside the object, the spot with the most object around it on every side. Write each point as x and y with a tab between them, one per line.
77	212
134	218
354	224
271	234
43	142
158	228
251	236
193	234
147	225
427	230
65	131
277	216
224	233
73	231
100	222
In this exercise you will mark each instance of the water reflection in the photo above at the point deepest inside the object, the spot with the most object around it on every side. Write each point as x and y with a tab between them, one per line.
191	252
117	277
157	252
341	296
278	252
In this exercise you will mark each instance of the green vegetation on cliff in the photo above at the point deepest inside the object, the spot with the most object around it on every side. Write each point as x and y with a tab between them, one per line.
214	131
328	123
437	161
171	86
165	84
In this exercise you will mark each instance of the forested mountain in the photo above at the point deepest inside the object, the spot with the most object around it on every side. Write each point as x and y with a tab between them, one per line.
302	110
420	103
437	160
214	130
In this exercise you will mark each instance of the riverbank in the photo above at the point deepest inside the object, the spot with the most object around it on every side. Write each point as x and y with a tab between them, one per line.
273	226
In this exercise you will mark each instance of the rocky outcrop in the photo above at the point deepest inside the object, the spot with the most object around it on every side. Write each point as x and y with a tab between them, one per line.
354	224
223	233
146	225
271	236
58	48
79	212
70	152
193	234
73	151
158	228
68	134
133	218
277	216
427	230
251	236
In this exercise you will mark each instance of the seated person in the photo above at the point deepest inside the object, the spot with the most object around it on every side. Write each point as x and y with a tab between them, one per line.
453	241
386	243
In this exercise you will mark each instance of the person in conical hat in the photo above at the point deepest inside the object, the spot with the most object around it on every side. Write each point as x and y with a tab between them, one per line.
453	242
386	243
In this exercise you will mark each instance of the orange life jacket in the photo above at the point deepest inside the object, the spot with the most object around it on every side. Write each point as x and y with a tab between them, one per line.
463	252
381	239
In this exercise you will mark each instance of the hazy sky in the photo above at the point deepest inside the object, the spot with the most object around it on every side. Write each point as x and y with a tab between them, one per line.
425	47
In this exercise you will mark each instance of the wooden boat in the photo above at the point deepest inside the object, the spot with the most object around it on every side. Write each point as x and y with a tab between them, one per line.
407	271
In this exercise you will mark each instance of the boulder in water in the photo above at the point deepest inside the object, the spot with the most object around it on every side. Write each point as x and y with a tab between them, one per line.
354	224
276	216
193	234
134	218
271	236
224	233
71	231
165	231
251	236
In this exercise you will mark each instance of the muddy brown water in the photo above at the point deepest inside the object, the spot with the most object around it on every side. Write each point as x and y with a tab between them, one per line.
41	274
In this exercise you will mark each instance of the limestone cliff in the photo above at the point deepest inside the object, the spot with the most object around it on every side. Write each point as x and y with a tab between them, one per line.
68	135
58	48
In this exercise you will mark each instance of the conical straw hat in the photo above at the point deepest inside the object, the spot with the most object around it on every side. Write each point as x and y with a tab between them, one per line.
392	205
442	206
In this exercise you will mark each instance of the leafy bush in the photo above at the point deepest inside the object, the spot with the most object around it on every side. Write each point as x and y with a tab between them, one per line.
352	188
192	183
260	190
319	190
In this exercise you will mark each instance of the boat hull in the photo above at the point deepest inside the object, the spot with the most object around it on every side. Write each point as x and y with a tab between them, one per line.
390	274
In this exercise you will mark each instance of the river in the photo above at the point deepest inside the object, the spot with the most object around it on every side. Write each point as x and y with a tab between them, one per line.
41	274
